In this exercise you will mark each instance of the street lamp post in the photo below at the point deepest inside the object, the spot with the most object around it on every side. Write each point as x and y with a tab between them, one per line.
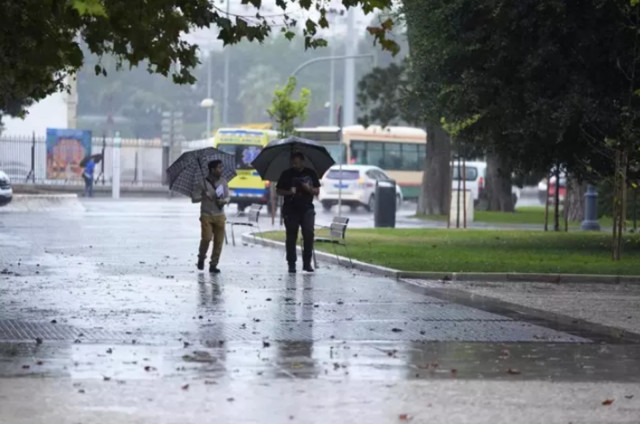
208	104
325	58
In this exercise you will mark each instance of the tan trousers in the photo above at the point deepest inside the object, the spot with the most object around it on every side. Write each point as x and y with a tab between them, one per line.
212	229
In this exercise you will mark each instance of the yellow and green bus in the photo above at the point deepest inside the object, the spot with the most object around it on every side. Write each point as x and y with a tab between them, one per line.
245	144
400	151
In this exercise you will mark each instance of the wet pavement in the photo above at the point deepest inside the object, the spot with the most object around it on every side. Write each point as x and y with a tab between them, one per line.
107	304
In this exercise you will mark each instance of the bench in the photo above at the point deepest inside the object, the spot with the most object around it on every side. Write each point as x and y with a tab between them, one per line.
337	232
253	220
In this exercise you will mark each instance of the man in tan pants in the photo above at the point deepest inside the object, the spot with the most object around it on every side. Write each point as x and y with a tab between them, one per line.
213	194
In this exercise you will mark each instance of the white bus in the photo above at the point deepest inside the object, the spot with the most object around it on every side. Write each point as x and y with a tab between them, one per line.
400	151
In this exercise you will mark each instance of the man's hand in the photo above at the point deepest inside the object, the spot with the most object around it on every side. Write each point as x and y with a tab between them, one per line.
307	187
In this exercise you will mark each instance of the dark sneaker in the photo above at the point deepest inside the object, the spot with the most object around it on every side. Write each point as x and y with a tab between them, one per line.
307	268
200	264
292	268
214	269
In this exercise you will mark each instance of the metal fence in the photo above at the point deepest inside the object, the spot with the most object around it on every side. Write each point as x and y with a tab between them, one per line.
142	162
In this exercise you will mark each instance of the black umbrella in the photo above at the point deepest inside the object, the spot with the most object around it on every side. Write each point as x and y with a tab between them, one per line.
275	158
191	167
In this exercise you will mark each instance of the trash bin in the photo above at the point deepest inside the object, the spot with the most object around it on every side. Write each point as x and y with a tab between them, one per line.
384	211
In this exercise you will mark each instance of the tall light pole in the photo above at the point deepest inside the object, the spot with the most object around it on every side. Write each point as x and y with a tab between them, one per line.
208	102
225	97
332	89
349	101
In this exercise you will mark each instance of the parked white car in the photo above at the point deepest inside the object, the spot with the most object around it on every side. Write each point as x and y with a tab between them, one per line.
6	192
475	173
358	186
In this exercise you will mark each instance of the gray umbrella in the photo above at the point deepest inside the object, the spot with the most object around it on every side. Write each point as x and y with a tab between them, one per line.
191	167
275	158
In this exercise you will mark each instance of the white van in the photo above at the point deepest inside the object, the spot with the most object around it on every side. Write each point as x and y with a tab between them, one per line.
475	173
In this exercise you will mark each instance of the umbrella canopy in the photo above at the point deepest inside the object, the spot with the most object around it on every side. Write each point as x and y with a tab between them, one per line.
191	167
275	158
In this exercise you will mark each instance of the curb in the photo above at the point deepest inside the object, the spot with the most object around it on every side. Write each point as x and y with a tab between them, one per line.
43	203
338	260
151	190
518	277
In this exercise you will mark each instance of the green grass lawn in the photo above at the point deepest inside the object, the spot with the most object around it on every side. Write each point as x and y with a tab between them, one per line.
532	215
489	251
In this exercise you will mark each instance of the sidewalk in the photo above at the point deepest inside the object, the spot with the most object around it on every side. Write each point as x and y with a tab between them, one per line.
611	305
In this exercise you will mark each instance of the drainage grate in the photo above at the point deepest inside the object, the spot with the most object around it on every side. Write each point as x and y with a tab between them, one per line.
11	330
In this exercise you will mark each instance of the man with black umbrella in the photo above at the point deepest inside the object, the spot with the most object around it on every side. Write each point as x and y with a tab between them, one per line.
299	185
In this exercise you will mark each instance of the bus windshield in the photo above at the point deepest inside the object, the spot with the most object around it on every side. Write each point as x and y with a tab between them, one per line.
245	154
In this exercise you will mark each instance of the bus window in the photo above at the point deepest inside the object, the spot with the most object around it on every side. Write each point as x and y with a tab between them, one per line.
390	156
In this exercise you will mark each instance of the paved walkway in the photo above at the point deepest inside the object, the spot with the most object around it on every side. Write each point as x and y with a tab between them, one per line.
106	308
612	305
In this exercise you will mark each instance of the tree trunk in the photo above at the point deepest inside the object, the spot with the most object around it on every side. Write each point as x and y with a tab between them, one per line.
575	199
435	195
498	184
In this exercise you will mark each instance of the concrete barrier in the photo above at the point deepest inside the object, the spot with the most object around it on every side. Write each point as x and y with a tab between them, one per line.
43	203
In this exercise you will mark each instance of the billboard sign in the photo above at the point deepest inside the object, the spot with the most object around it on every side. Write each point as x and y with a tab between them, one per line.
65	149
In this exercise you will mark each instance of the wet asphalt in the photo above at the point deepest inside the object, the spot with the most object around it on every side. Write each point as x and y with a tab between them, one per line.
112	295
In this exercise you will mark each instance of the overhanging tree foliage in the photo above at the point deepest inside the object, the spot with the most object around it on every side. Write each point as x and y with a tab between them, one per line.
41	40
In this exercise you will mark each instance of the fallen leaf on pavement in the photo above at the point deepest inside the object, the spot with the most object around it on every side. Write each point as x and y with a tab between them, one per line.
608	402
105	378
403	417
149	368
38	340
454	371
396	330
25	367
266	344
230	399
185	387
513	371
629	397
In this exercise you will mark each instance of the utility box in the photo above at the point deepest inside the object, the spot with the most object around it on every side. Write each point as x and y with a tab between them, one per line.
384	211
458	197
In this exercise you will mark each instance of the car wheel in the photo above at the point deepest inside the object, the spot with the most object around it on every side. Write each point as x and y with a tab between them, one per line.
242	207
327	206
372	203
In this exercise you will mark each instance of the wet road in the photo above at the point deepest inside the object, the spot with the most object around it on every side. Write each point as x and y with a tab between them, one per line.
110	297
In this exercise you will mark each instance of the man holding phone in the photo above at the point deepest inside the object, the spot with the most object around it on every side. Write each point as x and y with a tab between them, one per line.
299	185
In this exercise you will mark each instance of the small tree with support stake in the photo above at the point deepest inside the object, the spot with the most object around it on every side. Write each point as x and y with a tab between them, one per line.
285	112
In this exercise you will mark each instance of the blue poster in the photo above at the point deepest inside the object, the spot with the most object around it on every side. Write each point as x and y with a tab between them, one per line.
65	150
